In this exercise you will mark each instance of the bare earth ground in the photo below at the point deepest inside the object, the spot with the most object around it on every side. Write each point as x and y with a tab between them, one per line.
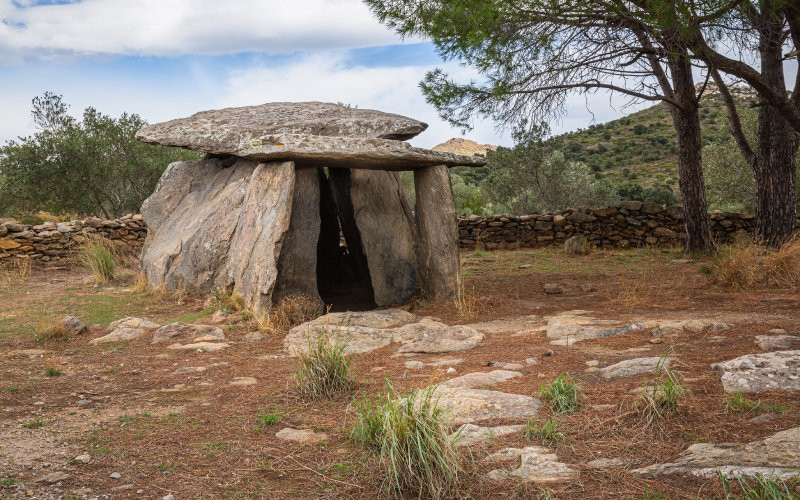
196	436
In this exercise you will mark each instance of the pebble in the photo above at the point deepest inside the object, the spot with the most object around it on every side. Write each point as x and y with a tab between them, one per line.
53	477
115	475
549	353
531	361
553	288
83	458
451	370
778	331
657	340
592	362
168	497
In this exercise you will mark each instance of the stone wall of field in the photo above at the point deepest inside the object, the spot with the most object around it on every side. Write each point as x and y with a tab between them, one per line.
55	241
629	224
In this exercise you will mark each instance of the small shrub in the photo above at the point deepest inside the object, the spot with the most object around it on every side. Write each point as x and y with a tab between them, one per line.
413	442
51	371
227	301
140	284
746	264
546	432
465	302
49	329
289	312
562	394
98	255
268	419
760	488
35	423
739	403
8	482
324	370
16	272
12	388
663	397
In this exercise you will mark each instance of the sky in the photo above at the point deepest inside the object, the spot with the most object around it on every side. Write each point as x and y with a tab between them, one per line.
166	59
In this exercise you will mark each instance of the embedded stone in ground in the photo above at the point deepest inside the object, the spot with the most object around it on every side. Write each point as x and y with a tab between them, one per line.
414	364
133	322
471	434
509	325
570	327
463	405
481	379
244	381
71	325
200	346
119	334
199	333
605	463
450	339
636	366
304	436
779	370
694	325
775	456
536	464
778	342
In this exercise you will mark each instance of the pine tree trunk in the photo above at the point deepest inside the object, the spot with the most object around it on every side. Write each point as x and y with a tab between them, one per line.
690	169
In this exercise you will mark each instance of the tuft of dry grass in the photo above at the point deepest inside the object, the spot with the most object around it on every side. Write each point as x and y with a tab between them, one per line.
747	264
16	272
289	312
140	283
466	302
99	256
49	330
324	370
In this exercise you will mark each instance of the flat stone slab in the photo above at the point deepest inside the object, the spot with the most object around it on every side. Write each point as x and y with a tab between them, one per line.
133	322
481	379
463	405
471	434
304	436
778	342
200	333
200	346
777	455
636	366
513	324
244	381
779	370
120	334
313	132
693	325
366	331
536	464
415	365
606	463
574	326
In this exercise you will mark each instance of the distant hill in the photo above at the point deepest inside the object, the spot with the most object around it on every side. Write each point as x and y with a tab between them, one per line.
464	147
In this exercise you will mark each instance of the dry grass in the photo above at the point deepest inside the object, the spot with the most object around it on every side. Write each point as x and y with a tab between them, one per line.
16	272
288	313
49	330
140	283
99	256
324	370
746	264
466	302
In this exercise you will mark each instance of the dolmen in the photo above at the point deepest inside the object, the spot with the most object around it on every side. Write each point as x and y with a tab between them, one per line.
302	199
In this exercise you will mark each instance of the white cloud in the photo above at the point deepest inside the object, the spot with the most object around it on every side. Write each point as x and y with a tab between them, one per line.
173	27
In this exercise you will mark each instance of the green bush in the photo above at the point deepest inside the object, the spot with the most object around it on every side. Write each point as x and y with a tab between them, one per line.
100	258
562	393
324	370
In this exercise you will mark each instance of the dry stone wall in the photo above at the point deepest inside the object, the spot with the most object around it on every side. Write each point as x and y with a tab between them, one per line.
629	224
54	241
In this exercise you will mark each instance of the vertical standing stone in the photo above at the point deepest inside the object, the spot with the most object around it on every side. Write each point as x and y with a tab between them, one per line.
384	228
297	265
437	233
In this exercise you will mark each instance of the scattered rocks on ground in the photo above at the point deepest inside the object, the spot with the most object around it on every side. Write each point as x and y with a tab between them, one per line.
53	477
779	370
71	325
304	436
777	455
244	381
198	333
464	405
636	366
778	342
481	379
536	464
553	288
129	328
471	434
200	346
574	326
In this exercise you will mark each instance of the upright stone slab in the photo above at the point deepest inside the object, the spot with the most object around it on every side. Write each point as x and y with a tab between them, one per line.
437	233
297	265
216	226
384	227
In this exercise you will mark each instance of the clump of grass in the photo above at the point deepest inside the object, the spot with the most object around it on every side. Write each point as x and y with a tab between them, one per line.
324	370
52	371
746	264
268	419
35	423
49	329
662	397
465	301
289	312
412	439
546	432
562	393
16	272
98	255
12	388
140	284
738	402
760	488
226	301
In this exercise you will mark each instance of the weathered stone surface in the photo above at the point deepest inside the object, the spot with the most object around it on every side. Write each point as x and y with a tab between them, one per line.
778	342
437	233
358	331
216	226
481	379
779	370
133	322
574	326
54	477
244	381
297	265
576	245
693	325
636	366
464	405
304	436
553	288
777	455
71	325
383	219
196	332
605	463
515	324
8	244
449	339
471	434
200	346
119	334
414	364
536	464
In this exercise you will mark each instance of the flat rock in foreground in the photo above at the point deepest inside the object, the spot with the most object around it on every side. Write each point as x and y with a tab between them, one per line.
481	379
779	370
574	326
636	366
777	455
471	434
536	464
464	405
